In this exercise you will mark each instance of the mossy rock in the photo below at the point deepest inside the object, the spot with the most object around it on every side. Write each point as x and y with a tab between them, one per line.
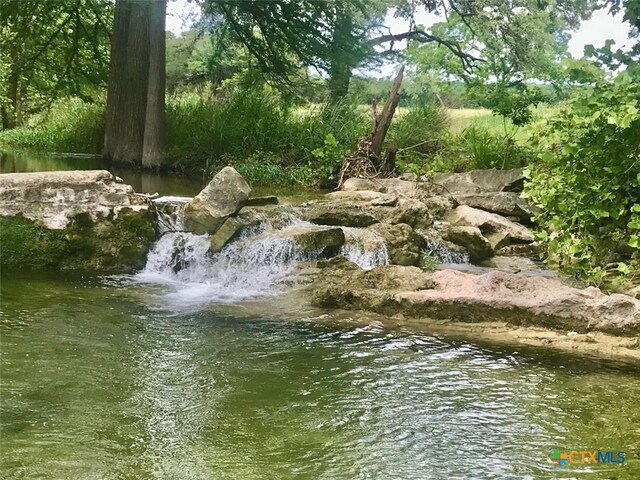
115	244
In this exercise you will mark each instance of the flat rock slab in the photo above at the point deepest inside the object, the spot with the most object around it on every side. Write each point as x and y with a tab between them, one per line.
54	198
496	296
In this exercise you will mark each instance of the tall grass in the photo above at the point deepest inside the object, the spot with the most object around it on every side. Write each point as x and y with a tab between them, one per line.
70	125
273	142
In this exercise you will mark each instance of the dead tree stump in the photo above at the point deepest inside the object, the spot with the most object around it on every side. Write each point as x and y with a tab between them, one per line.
369	160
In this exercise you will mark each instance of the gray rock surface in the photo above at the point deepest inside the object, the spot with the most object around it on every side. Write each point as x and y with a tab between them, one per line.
222	197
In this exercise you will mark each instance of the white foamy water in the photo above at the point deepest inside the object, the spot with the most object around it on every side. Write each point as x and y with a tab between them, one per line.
365	248
253	266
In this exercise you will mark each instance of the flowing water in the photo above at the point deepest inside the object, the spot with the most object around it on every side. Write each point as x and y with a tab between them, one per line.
214	367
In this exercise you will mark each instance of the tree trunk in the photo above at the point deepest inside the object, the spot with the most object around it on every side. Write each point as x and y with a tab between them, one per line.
152	153
339	80
341	65
128	83
383	122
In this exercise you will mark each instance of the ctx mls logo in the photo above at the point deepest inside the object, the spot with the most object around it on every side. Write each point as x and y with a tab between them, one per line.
594	456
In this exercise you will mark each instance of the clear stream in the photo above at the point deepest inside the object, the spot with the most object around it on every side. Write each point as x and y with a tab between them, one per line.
117	378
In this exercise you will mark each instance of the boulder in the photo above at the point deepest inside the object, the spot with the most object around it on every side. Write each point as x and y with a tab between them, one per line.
224	196
358	184
406	210
503	203
529	250
339	214
489	223
479	181
354	196
75	220
472	240
386	200
229	230
403	243
315	240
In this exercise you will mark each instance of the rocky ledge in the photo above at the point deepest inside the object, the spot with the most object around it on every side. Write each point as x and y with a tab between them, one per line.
81	220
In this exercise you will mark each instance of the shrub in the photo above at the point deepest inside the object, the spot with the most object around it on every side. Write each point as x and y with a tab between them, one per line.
587	180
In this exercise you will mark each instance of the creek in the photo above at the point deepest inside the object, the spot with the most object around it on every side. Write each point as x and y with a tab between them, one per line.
203	367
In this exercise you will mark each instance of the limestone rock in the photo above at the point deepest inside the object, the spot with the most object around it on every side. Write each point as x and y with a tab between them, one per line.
222	197
229	230
491	297
354	196
73	220
403	243
339	214
479	181
489	222
503	203
315	240
358	184
53	199
472	240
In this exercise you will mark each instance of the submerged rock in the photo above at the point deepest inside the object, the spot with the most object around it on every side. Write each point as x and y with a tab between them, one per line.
261	201
222	197
83	220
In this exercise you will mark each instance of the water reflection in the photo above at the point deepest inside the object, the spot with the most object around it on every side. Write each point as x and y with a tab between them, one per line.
96	385
141	181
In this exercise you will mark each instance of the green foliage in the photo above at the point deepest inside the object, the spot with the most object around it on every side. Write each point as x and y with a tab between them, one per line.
71	125
51	48
587	180
489	150
419	130
328	158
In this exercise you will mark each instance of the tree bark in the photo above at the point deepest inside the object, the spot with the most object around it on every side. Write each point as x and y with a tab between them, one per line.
128	83
383	122
340	66
152	153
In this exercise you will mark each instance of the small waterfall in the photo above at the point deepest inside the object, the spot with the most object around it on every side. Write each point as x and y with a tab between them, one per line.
254	265
365	248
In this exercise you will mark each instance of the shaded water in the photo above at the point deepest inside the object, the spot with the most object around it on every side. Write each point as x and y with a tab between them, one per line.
101	379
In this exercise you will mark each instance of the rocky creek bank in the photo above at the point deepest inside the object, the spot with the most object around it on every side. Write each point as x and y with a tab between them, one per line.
456	248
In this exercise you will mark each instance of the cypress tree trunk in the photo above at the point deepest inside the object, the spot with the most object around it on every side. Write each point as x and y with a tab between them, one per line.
152	153
341	67
128	83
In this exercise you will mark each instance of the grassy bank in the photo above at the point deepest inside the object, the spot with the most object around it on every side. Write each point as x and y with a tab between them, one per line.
272	142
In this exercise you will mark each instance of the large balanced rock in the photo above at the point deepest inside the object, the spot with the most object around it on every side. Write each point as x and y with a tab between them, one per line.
496	296
224	196
84	220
